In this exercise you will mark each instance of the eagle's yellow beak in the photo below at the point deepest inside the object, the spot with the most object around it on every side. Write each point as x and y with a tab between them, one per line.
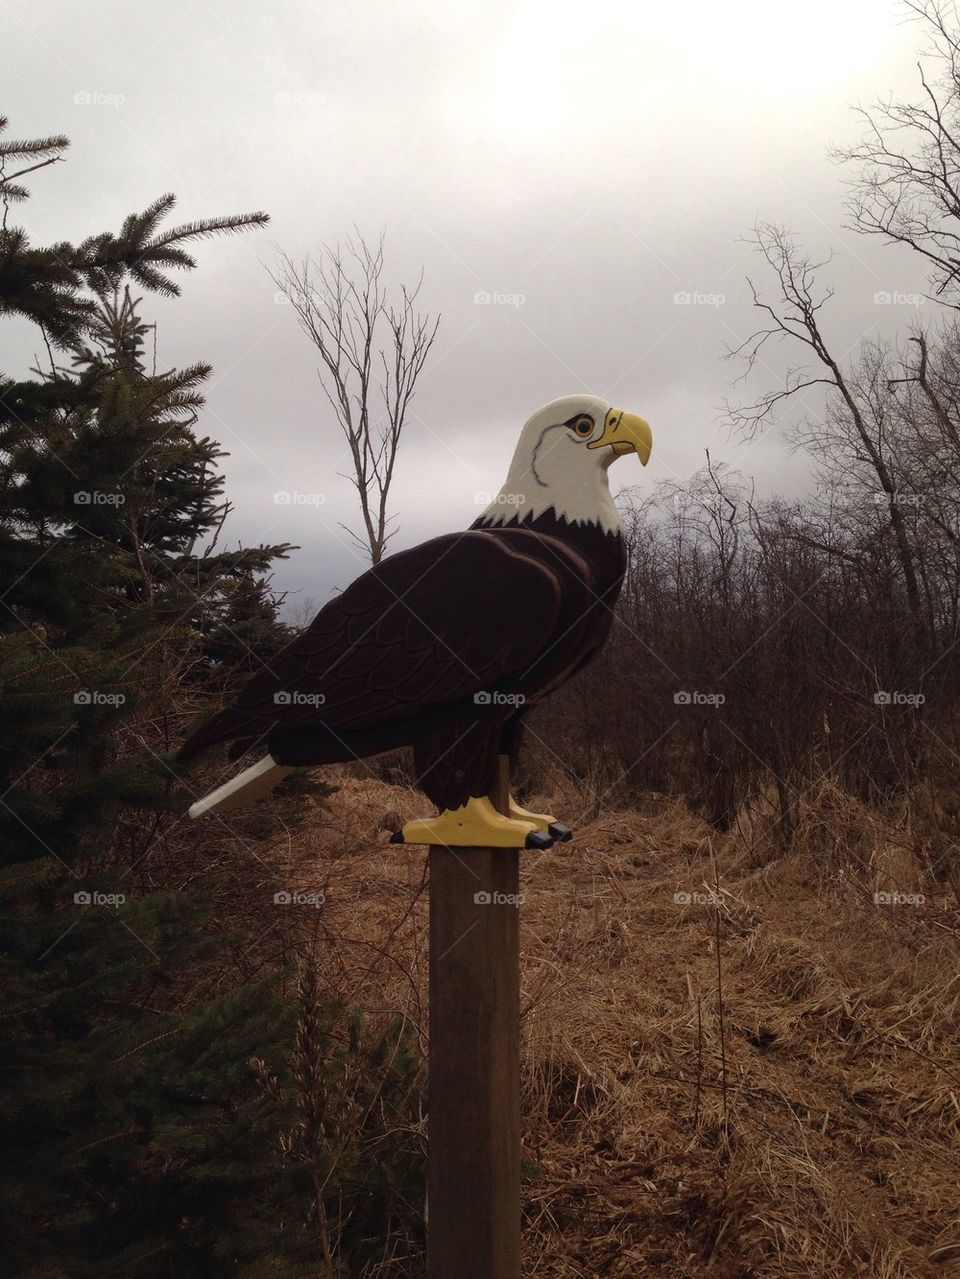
626	433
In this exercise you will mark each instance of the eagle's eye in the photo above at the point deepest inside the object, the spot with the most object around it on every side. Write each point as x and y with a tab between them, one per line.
583	426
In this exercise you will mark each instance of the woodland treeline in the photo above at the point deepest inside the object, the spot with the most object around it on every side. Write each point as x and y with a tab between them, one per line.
761	648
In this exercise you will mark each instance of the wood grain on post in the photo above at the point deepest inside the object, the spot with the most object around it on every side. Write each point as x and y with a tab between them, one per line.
474	1061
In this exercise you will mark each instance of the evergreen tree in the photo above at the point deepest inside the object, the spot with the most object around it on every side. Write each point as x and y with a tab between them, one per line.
145	1101
106	496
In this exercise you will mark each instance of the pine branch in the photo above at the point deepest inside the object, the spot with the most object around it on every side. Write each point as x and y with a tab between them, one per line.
213	226
138	226
32	146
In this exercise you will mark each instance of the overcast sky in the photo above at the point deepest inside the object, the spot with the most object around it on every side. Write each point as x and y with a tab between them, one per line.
592	159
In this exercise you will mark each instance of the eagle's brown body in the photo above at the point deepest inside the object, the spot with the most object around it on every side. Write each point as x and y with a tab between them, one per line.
506	612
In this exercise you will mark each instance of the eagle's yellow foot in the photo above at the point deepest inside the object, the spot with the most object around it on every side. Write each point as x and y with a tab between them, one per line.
557	830
476	825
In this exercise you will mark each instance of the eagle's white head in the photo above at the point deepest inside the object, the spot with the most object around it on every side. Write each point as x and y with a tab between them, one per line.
561	462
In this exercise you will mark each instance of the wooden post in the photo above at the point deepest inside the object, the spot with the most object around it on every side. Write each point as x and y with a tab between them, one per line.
473	1180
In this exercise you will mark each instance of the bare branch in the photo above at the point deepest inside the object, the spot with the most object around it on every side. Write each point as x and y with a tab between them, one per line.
341	304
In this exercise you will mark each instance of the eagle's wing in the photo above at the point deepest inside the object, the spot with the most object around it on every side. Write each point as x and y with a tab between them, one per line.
439	622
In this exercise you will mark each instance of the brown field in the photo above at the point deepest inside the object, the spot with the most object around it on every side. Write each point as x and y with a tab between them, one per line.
817	1135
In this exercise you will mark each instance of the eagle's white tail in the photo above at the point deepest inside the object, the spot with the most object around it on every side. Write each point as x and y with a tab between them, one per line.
253	783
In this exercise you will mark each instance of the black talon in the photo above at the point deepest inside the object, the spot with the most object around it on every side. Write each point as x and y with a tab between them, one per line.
397	837
539	839
561	832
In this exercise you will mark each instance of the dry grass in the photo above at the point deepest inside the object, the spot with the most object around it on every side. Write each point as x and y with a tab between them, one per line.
818	1136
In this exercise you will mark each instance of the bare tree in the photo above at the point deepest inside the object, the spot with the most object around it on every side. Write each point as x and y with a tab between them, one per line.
854	438
371	353
908	187
301	612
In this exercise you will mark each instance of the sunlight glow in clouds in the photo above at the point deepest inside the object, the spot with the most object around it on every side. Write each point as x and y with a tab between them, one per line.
560	67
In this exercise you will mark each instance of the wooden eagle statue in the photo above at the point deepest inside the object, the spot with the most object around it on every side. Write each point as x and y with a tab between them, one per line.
447	646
